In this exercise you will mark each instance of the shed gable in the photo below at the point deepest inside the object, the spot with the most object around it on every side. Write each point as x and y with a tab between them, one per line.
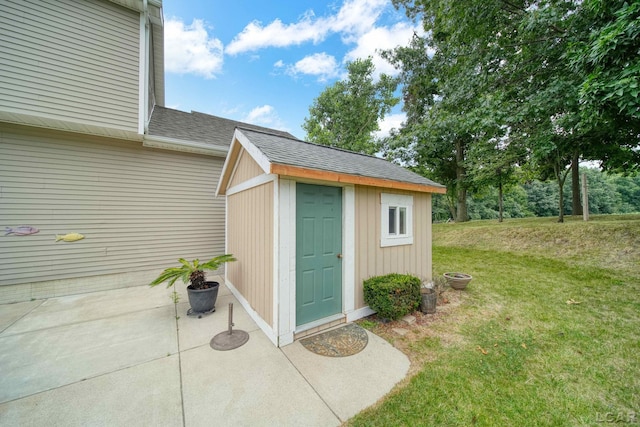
246	168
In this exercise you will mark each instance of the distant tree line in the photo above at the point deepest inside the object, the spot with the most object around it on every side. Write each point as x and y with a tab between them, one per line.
609	193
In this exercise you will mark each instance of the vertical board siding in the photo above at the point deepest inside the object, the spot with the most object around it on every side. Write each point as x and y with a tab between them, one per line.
246	168
138	208
373	260
250	240
70	60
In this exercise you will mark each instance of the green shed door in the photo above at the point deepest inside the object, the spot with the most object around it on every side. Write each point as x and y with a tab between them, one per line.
318	252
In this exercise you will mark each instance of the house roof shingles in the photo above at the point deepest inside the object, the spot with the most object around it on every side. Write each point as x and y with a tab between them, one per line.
198	127
279	147
285	150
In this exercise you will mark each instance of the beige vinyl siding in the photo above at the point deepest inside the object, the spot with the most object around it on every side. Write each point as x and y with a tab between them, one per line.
138	208
250	240
70	60
246	168
373	260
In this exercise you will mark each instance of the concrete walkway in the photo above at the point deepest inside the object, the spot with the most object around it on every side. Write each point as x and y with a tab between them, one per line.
132	357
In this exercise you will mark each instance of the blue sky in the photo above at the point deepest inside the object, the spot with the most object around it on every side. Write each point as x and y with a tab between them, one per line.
264	62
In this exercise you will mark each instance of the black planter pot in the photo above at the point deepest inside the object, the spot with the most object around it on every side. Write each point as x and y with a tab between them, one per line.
203	300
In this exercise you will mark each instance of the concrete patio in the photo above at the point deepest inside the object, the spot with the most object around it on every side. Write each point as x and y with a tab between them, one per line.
132	357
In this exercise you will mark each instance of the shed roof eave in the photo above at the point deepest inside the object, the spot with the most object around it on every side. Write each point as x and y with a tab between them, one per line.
299	172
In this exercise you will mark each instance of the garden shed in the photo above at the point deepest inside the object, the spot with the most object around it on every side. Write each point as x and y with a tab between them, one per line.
309	223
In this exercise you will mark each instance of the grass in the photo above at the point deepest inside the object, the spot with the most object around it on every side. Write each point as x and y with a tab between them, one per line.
546	334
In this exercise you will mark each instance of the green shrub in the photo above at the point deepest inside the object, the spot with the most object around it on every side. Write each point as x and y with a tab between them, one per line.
392	296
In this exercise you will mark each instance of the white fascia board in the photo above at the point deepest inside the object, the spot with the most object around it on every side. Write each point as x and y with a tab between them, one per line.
184	146
349	251
253	151
275	259
47	122
143	69
227	164
251	183
286	263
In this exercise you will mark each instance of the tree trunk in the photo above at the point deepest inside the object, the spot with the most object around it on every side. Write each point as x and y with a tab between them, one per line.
451	203
561	177
561	198
576	206
461	190
500	202
461	214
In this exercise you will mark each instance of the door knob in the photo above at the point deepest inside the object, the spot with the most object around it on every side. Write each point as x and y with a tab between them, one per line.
340	256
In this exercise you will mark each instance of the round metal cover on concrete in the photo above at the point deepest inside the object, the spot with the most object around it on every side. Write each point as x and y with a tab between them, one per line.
228	341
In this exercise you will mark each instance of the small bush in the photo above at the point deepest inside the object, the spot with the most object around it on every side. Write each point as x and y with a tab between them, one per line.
392	296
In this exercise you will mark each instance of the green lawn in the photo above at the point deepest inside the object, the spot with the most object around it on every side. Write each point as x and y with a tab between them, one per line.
547	333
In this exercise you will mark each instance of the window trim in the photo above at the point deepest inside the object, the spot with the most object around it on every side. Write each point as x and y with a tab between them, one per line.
390	201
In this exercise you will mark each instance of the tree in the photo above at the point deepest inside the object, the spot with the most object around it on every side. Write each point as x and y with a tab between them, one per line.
346	114
495	163
609	62
482	205
561	76
557	164
609	65
447	113
627	189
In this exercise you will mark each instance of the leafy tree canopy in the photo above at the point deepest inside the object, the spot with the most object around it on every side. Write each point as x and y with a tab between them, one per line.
557	79
346	114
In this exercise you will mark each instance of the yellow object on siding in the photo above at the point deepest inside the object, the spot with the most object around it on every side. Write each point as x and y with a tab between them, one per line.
71	237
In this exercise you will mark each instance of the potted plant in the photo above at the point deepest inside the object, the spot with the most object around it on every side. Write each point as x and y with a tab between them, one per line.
458	281
202	293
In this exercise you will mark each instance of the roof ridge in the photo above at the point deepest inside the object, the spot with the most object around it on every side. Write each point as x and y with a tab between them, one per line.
313	143
265	131
193	113
219	117
238	122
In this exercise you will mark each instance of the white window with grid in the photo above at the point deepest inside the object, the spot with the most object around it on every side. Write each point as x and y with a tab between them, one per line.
396	220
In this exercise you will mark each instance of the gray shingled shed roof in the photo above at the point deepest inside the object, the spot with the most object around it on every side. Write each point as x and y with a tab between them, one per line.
290	151
198	127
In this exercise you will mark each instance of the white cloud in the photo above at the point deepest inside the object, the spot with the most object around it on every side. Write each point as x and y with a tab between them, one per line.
357	17
267	116
322	65
190	50
354	18
255	36
279	64
383	38
391	121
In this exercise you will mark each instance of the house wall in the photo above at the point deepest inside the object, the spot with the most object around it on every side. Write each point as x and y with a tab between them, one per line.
373	260
250	239
139	209
75	61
